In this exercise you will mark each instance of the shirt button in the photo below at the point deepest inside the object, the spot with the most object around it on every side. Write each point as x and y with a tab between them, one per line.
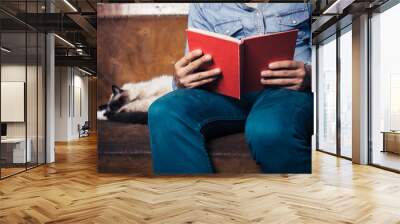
294	21
227	31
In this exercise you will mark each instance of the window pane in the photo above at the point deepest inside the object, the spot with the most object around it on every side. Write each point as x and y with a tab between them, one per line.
346	94
385	84
41	98
15	149
327	96
32	97
314	90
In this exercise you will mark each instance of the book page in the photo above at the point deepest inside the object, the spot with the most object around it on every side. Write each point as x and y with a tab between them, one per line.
216	35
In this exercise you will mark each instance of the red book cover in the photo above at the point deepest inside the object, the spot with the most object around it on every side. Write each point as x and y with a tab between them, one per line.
241	61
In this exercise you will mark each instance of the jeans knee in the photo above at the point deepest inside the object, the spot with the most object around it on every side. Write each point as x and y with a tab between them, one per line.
261	136
157	110
276	151
163	113
169	110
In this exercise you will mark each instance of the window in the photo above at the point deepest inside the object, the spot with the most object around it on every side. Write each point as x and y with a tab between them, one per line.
385	89
346	92
327	96
22	79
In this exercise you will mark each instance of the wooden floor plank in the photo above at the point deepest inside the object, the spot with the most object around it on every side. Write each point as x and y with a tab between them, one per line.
71	191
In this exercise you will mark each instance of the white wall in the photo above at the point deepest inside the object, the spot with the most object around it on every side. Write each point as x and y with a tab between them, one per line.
33	126
62	81
140	9
14	73
80	89
70	83
17	73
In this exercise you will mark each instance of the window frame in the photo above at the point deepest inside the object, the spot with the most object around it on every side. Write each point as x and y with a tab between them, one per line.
333	33
378	10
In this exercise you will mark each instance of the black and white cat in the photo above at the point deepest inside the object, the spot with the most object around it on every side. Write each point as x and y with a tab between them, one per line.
135	97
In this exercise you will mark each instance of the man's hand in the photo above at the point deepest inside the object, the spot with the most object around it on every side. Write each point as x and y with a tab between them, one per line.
293	75
185	70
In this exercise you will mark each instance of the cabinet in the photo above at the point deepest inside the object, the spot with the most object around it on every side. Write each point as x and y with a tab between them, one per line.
13	150
391	142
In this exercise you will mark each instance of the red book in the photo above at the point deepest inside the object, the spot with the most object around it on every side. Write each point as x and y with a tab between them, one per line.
241	61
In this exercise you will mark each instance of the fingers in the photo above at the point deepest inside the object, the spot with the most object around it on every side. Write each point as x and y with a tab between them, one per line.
288	74
288	64
201	82
283	73
200	78
186	66
192	66
282	82
188	58
204	75
296	87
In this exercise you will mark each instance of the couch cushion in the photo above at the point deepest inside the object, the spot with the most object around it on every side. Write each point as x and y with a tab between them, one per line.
231	154
129	117
126	148
121	138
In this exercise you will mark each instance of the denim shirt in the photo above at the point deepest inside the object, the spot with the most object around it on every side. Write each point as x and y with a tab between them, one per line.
239	20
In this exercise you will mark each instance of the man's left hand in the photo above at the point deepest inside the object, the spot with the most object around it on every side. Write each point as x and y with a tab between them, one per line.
293	75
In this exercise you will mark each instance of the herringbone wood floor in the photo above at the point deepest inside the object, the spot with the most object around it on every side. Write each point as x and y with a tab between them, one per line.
71	191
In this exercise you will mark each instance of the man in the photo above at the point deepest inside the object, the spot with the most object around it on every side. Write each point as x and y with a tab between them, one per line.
278	120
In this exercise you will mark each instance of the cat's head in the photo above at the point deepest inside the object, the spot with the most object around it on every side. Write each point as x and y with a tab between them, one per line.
118	99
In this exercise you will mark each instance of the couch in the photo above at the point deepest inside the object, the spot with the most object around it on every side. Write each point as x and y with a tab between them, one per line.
125	148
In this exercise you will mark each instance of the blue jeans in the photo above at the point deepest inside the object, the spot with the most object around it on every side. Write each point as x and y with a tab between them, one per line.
278	125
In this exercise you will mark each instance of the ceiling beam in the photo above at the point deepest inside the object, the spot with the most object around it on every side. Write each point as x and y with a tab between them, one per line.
337	7
86	27
82	61
49	22
320	23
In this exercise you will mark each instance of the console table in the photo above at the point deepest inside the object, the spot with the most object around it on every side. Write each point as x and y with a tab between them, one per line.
391	141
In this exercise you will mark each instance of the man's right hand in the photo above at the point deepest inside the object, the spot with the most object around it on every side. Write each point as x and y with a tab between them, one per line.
185	70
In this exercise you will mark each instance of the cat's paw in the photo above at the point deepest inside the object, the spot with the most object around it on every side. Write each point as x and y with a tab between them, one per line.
101	115
124	109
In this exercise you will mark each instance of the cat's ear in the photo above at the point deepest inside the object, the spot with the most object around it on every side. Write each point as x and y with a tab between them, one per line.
116	90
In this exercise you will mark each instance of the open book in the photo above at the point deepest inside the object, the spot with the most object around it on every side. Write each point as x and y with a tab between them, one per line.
241	61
